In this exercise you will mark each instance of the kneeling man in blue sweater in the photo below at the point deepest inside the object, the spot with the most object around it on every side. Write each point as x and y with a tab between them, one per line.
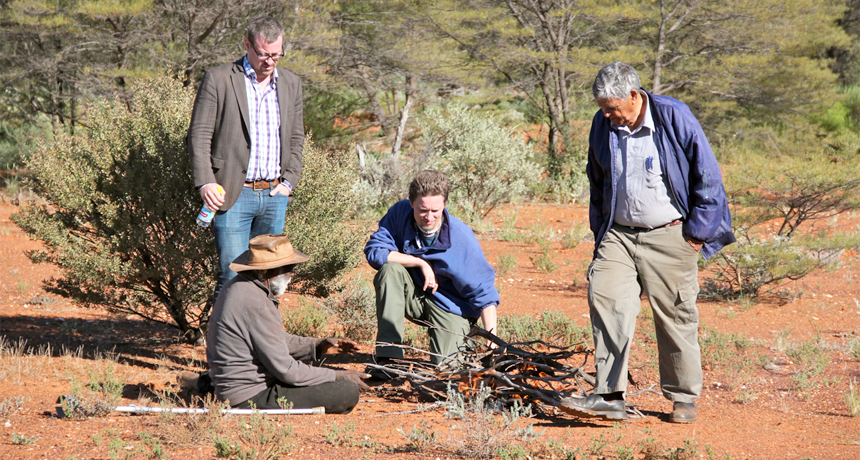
431	270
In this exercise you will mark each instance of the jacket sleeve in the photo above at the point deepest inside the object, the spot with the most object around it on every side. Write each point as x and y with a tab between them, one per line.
383	241
201	131
707	197
596	177
272	348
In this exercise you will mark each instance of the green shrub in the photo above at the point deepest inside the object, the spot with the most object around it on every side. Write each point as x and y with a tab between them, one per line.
317	220
120	215
486	163
307	320
553	327
355	308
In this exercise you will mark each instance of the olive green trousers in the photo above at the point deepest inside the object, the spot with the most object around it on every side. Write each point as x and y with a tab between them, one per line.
398	299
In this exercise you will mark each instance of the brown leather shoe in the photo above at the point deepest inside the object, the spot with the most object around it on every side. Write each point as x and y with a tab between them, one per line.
683	412
595	406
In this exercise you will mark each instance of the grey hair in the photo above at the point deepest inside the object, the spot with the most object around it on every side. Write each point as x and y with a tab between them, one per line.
267	27
615	81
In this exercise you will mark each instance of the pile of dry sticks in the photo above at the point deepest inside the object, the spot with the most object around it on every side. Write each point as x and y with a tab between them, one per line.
528	372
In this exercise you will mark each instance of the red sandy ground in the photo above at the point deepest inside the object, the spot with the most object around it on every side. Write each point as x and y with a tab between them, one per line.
775	423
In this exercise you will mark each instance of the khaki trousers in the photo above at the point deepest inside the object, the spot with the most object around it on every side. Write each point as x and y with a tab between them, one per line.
397	299
661	263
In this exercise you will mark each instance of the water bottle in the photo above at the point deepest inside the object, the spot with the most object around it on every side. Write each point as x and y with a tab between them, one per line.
205	216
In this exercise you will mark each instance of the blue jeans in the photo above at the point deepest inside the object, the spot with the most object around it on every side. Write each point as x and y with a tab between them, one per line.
255	213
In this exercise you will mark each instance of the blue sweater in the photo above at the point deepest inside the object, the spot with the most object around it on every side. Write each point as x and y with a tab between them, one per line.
695	180
466	280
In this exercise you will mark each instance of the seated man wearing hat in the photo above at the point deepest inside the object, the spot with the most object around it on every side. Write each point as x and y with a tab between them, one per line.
253	361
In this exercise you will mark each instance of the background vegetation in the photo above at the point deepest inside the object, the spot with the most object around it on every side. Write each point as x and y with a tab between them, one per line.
495	92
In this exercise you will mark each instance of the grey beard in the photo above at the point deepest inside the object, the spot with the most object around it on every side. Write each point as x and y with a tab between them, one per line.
278	285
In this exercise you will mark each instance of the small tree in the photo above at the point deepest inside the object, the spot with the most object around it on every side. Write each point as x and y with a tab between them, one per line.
780	205
486	163
120	215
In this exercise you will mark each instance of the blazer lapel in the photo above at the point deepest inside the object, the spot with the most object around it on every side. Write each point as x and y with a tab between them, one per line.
238	80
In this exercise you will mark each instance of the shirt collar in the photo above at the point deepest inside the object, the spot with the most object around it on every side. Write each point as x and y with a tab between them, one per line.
251	74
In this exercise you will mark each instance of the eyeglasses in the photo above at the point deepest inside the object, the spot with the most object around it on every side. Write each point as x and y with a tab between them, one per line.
264	57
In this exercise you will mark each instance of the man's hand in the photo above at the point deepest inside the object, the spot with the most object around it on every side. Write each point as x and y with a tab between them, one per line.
333	345
429	277
695	244
213	196
280	188
352	376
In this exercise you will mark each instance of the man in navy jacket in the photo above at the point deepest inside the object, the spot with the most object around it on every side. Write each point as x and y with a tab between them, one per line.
431	270
657	202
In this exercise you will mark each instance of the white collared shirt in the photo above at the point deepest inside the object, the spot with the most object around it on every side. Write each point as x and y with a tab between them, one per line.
642	198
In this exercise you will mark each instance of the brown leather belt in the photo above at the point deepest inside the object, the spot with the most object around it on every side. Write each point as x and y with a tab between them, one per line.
262	184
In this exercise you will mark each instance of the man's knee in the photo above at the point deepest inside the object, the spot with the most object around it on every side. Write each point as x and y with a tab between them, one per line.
388	271
346	399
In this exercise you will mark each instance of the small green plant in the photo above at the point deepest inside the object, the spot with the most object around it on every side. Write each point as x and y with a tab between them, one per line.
421	437
22	286
10	405
811	357
154	446
687	452
340	436
96	398
505	264
574	235
543	262
355	308
721	349
481	434
308	320
852	400
260	438
22	440
854	349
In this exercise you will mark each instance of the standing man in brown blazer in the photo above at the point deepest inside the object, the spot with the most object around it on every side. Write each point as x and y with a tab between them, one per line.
245	143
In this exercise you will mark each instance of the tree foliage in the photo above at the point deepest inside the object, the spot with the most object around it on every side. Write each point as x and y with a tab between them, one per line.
487	164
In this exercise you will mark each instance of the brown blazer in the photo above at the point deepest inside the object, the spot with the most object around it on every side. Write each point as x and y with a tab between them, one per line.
219	142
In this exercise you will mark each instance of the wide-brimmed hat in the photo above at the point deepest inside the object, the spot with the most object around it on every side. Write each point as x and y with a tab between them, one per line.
267	251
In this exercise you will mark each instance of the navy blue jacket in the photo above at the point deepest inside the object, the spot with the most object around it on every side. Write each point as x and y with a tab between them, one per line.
466	280
695	180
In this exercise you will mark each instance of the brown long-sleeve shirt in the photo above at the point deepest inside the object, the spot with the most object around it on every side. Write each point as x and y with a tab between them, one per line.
248	349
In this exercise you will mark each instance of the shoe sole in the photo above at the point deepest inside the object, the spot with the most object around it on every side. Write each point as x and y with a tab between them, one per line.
579	411
681	420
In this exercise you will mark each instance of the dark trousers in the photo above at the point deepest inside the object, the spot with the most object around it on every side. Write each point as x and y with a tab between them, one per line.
337	397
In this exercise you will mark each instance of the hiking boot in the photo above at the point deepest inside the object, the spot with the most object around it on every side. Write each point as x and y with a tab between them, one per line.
595	406
683	412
